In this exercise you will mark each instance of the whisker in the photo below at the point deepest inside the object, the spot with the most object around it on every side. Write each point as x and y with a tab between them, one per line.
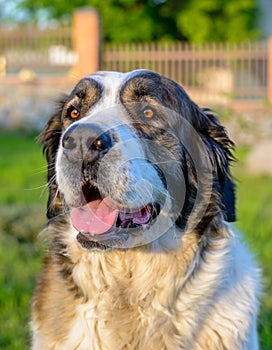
42	169
162	191
53	178
45	187
36	188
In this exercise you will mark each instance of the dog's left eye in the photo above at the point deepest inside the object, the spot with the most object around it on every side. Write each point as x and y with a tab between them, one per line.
73	113
148	113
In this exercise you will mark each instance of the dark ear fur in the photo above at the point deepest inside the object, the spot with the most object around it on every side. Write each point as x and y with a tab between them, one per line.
219	147
50	138
222	148
229	200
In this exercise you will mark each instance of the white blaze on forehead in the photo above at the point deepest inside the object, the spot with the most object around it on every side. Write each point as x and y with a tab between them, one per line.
111	82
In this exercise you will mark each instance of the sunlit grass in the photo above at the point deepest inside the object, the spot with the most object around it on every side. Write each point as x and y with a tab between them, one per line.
23	169
254	212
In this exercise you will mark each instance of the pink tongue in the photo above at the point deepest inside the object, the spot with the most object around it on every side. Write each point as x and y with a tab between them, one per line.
95	217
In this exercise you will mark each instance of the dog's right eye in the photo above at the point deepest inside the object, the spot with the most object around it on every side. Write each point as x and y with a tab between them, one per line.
148	113
73	113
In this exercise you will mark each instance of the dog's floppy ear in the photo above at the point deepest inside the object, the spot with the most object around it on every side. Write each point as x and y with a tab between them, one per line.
50	138
229	200
221	147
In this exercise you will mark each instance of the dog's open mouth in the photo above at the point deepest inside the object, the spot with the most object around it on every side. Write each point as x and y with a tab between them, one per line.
100	217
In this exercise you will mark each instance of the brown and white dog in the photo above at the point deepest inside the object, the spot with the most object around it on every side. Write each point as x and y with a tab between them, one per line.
141	251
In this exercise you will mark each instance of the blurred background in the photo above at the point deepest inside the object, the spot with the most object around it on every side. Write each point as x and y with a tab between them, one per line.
219	50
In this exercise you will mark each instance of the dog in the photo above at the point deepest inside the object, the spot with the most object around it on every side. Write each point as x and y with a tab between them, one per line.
142	252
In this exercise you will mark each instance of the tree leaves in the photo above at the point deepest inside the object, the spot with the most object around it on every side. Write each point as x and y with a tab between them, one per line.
219	20
153	20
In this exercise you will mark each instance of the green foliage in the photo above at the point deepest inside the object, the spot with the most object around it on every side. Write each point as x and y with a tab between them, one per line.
22	217
218	20
140	20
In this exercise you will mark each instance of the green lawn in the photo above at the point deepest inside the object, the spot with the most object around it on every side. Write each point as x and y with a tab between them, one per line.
22	208
254	211
22	168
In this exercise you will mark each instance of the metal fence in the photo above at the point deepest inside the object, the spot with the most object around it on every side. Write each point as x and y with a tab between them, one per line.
217	72
43	51
212	72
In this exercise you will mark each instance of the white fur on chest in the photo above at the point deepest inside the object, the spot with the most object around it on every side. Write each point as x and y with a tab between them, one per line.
146	301
86	330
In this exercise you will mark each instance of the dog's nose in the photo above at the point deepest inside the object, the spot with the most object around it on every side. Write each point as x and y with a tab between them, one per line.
86	141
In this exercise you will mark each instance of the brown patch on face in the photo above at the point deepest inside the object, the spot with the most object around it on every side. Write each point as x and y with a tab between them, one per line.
86	93
149	94
155	88
149	89
143	105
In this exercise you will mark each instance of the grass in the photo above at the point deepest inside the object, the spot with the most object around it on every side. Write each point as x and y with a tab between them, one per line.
254	211
20	263
23	197
21	165
22	180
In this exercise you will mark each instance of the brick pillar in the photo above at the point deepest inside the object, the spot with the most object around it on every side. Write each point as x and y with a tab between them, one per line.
86	41
269	78
3	66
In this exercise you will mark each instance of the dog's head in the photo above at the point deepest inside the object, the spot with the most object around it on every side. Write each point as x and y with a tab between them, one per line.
131	157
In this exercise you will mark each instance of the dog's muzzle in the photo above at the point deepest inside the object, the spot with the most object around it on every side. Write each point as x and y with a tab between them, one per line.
119	193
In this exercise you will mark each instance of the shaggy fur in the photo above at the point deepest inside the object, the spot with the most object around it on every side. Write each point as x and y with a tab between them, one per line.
193	286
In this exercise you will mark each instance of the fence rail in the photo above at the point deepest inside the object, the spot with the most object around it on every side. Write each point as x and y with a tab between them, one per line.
212	72
44	51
